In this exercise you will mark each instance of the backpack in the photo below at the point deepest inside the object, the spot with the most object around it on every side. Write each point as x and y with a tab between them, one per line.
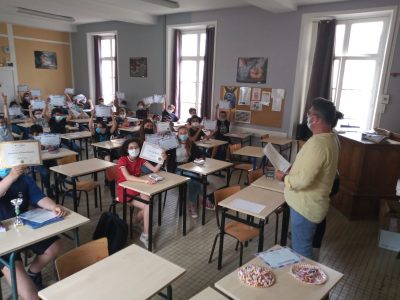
114	229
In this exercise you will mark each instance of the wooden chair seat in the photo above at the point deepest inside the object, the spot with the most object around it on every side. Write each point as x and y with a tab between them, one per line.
241	232
244	167
84	185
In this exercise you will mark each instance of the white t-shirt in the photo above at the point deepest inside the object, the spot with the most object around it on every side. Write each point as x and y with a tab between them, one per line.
181	154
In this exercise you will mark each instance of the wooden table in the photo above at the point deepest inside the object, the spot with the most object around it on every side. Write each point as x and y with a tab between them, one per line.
285	286
170	181
27	125
108	145
81	135
16	239
132	129
243	137
79	168
19	120
269	184
210	166
60	153
80	121
208	294
282	143
132	273
251	151
253	195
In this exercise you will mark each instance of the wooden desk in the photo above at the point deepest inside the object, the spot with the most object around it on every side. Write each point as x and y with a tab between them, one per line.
170	181
80	121
19	120
24	236
81	135
280	142
285	286
210	166
243	137
132	273
269	184
208	294
60	153
79	168
368	173
130	129
269	199
211	143
27	125
108	145
251	151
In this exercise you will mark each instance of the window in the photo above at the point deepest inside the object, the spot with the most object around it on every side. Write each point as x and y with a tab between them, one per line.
191	68
107	67
357	68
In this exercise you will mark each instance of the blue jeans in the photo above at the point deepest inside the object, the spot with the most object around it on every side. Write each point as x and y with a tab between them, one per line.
302	234
193	189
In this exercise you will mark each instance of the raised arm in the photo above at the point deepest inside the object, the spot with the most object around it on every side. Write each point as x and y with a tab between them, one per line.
113	124
5	108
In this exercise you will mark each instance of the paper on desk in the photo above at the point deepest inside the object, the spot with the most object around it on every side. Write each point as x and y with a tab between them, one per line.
247	205
279	258
38	215
277	160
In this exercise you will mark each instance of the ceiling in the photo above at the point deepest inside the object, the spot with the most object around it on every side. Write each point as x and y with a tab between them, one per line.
132	11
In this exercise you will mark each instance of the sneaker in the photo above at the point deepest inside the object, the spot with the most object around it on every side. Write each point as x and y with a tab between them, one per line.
209	205
144	238
193	213
37	280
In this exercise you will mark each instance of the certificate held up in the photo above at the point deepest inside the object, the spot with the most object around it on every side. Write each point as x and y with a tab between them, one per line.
20	153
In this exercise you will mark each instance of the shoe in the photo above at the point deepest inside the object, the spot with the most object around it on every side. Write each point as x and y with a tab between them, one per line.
37	279
144	238
210	206
193	213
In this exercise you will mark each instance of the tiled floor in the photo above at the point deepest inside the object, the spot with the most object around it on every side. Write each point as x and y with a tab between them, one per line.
349	247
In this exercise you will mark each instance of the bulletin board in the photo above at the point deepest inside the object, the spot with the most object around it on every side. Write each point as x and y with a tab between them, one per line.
265	116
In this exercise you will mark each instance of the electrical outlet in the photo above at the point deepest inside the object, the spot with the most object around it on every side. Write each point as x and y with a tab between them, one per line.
385	99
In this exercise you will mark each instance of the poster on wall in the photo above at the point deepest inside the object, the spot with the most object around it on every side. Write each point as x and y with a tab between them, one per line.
243	116
138	67
45	60
230	93
255	94
244	95
252	69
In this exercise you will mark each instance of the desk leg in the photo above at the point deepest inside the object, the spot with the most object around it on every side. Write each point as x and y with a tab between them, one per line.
124	205
182	190
95	192
228	176
95	151
290	151
169	292
86	148
159	209
261	236
151	224
76	235
57	191
13	276
221	238
254	159
203	216
285	224
74	195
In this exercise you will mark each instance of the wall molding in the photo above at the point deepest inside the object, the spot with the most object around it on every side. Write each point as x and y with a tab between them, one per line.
17	37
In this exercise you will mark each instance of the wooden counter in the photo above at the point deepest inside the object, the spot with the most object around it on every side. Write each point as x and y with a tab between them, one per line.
368	172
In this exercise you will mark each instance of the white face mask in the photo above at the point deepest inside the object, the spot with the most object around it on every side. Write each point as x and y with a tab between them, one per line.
38	116
195	124
133	152
170	111
140	107
309	123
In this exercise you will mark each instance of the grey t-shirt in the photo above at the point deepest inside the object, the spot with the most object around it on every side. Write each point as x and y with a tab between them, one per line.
6	134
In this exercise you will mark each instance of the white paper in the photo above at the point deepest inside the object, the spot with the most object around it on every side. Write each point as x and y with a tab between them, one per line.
38	104
23	88
279	258
38	215
255	106
168	142
247	205
120	95
276	159
222	104
276	104
163	127
244	96
80	97
50	140
69	91
130	119
278	93
35	93
57	100
19	153
103	111
265	98
209	124
159	98
153	138
152	153
14	111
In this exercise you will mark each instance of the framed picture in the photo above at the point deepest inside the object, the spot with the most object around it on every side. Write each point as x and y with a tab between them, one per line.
252	69
243	116
45	60
138	67
230	93
255	94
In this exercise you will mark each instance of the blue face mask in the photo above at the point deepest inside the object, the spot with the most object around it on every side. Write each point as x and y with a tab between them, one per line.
183	137
98	130
4	172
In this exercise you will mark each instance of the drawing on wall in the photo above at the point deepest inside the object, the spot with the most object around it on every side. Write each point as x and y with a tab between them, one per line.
230	93
243	116
256	106
255	94
265	98
138	66
244	96
252	69
45	60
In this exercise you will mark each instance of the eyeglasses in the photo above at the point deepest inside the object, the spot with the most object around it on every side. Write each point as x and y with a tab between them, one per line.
309	115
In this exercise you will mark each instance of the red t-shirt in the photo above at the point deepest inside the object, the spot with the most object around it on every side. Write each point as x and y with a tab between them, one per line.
134	168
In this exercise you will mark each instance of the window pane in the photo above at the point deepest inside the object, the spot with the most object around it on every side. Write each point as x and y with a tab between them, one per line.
184	113
200	92
359	74
201	70
113	47
339	38
189	44
333	95
365	38
202	44
335	73
105	48
188	92
188	71
355	105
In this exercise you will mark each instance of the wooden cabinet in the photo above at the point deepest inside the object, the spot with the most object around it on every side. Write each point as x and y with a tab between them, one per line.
368	172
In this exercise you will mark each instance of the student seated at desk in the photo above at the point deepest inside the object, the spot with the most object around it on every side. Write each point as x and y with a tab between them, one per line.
142	113
219	134
168	115
129	168
121	117
101	133
40	117
196	129
57	124
5	126
187	151
25	100
192	113
13	183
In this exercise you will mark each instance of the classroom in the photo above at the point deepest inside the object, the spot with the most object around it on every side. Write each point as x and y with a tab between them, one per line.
214	149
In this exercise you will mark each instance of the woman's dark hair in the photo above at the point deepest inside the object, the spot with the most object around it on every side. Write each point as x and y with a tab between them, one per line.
141	130
194	119
189	143
326	110
35	128
140	102
13	103
56	110
125	145
103	124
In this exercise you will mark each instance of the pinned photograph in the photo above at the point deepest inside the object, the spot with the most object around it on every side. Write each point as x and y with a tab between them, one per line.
138	67
243	116
244	96
256	105
45	60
